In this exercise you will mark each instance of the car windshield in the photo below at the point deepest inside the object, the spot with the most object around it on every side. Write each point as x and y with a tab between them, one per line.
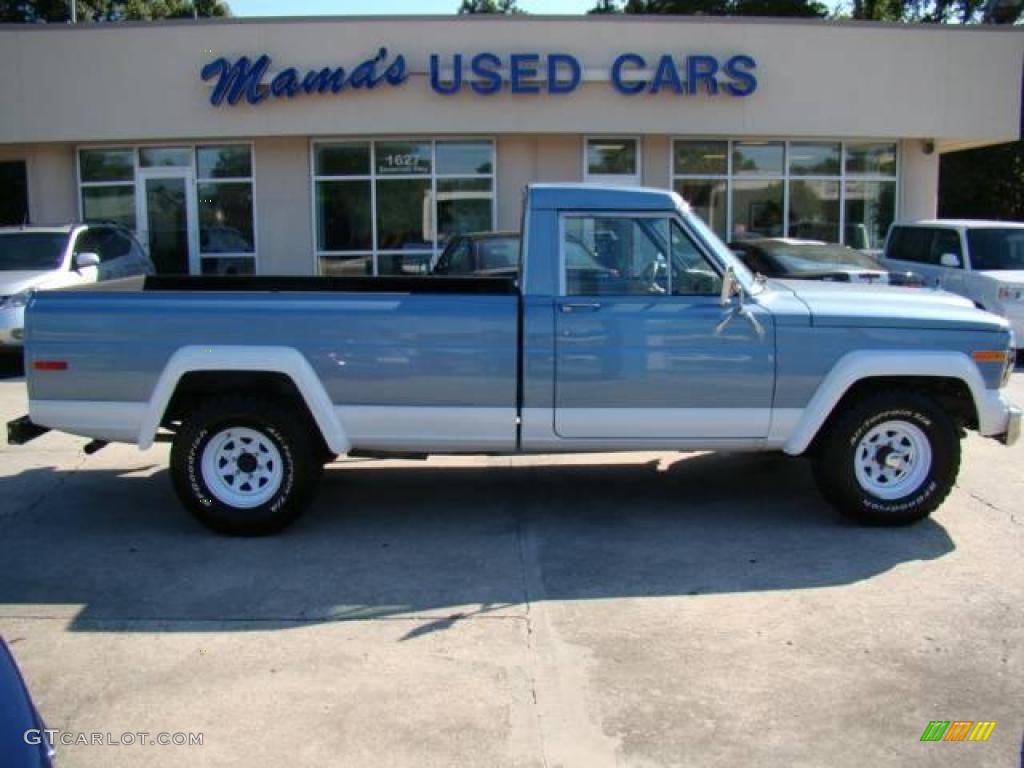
1000	249
31	251
498	253
806	257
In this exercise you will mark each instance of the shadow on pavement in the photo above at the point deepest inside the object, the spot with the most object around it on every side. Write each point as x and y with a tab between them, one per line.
439	543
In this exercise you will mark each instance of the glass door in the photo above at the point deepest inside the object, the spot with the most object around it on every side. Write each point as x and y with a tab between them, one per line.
169	219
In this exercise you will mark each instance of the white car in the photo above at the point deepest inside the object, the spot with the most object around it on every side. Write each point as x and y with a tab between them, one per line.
34	258
981	260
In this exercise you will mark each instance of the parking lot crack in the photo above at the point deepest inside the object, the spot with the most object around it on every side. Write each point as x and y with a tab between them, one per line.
531	640
997	508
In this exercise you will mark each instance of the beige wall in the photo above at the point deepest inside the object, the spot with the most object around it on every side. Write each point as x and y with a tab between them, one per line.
110	82
283	207
919	192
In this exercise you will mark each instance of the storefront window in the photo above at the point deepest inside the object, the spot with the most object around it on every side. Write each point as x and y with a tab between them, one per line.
227	240
121	184
869	211
612	160
389	207
817	190
108	185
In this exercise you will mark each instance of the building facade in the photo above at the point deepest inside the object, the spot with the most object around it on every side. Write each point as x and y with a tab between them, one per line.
360	145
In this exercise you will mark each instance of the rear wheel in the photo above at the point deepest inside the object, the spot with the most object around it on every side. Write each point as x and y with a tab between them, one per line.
890	459
244	465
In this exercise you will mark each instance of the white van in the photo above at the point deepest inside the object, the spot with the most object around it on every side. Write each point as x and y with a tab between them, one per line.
981	260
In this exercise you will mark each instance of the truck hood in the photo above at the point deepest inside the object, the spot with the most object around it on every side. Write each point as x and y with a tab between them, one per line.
18	281
884	306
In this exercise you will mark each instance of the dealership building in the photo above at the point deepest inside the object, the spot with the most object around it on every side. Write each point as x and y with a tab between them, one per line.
360	145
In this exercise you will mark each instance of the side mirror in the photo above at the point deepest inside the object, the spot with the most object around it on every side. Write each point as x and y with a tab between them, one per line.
86	259
729	287
949	260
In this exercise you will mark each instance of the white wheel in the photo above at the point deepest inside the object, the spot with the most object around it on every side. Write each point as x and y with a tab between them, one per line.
242	467
893	459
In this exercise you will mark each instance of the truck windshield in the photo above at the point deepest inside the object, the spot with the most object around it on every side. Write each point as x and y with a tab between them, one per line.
31	251
722	252
814	258
1000	249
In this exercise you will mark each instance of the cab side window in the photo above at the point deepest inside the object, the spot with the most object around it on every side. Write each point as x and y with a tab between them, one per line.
692	273
910	244
946	241
615	256
106	243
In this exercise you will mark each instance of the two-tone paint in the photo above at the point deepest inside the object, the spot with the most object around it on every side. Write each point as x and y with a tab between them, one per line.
528	371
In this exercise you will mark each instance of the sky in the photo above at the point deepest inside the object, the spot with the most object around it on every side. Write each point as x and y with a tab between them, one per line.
386	7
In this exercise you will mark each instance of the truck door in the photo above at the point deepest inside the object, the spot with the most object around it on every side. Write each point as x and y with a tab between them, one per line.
643	347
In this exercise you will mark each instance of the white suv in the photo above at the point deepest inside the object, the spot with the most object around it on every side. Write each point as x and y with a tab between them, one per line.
981	260
40	258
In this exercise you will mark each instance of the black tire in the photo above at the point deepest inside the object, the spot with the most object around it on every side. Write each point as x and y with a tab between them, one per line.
292	481
841	449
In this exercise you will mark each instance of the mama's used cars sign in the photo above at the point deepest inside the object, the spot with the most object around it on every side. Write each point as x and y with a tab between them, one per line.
483	73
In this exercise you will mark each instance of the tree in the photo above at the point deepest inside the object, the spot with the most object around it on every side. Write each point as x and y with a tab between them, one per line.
490	6
57	11
811	8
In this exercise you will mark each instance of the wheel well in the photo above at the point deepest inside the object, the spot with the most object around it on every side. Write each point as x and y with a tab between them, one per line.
196	386
951	393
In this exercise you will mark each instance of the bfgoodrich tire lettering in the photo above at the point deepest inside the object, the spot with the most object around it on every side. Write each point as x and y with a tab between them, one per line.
270	450
889	459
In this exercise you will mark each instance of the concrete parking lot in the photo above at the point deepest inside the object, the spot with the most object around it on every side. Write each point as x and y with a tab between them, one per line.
637	610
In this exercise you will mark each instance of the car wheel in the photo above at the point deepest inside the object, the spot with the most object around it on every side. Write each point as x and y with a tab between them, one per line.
244	466
889	459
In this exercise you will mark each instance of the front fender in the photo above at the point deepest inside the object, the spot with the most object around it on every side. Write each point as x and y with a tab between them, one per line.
993	411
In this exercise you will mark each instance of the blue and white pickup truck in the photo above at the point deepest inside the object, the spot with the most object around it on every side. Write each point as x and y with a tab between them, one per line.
630	326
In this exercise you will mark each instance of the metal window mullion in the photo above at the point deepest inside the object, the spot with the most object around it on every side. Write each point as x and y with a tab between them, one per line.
729	171
433	199
373	207
785	188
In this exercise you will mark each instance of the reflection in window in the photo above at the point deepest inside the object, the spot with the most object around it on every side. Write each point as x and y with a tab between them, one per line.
398	203
814	210
343	216
869	209
612	157
757	157
833	191
757	209
224	190
110	202
708	199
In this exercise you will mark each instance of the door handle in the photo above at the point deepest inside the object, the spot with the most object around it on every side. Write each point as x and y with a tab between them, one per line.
581	306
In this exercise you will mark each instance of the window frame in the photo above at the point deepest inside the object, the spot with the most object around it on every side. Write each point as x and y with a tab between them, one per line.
372	177
842	177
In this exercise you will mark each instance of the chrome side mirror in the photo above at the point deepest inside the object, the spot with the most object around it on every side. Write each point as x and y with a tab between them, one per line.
86	259
730	287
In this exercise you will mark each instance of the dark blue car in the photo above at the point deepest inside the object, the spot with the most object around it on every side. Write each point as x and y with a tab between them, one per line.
18	719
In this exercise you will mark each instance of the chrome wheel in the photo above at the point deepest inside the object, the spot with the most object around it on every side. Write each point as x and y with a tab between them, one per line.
893	459
242	467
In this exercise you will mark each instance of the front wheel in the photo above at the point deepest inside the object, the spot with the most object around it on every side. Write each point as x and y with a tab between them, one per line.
889	459
244	465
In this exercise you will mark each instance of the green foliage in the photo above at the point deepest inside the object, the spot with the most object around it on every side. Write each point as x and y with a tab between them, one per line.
924	11
57	11
811	8
985	183
490	6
